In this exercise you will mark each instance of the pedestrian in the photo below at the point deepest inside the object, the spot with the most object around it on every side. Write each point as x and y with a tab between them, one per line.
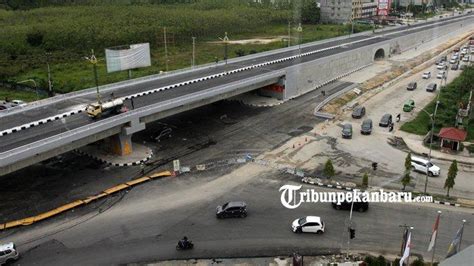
323	92
398	117
216	59
390	127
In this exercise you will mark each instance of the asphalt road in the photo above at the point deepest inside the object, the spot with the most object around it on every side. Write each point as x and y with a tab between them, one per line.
35	114
147	222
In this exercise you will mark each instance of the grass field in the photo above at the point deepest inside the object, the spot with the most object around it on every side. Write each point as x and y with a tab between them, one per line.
69	33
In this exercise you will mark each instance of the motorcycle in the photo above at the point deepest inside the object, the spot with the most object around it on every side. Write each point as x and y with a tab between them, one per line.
184	246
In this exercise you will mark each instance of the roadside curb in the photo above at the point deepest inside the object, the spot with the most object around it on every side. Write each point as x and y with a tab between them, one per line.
142	161
305	180
437	157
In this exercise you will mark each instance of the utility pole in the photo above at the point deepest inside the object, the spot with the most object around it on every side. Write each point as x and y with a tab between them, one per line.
50	85
194	52
433	117
166	49
289	33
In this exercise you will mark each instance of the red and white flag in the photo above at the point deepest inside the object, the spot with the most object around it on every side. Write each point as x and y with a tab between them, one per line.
434	234
406	253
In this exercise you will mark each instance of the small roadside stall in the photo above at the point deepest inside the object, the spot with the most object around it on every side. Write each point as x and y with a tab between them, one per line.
451	138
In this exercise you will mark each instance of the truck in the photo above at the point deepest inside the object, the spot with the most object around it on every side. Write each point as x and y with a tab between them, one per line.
99	109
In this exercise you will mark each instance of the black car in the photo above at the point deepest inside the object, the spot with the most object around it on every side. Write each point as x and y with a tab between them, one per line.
232	209
411	86
358	112
347	131
386	120
431	87
346	205
366	127
455	67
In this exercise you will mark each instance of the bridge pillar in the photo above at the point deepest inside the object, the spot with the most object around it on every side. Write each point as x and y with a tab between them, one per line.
121	144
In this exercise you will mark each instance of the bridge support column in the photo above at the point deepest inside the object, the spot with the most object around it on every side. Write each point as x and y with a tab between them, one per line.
121	144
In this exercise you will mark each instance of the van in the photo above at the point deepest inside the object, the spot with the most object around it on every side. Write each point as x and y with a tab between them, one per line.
409	106
424	166
8	253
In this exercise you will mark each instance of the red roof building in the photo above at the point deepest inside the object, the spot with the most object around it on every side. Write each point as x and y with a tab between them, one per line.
451	137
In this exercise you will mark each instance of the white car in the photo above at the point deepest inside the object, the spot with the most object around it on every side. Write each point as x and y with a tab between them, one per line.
19	103
441	74
424	166
441	66
308	224
466	58
453	61
426	75
8	253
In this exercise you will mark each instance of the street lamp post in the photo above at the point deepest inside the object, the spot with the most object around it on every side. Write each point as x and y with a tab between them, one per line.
93	60
432	118
194	51
300	30
225	40
34	83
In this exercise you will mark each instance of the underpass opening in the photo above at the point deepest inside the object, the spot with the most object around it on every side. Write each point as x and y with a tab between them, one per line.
276	91
379	54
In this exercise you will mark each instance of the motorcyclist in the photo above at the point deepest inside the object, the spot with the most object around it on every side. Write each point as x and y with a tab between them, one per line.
183	243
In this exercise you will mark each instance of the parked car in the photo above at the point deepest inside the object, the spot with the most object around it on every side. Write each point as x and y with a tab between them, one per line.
232	209
453	61
438	61
423	166
308	224
358	112
462	67
441	74
346	205
347	131
442	66
426	75
431	87
409	105
411	86
19	102
366	127
466	58
455	67
386	120
8	253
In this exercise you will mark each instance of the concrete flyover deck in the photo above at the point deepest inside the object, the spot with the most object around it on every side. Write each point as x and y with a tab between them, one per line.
154	97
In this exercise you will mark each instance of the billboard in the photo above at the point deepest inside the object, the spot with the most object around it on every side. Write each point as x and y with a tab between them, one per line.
383	7
128	57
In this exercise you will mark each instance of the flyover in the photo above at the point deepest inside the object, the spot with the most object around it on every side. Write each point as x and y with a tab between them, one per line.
56	126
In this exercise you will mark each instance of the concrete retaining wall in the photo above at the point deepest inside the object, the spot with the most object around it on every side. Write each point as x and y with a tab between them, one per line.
309	76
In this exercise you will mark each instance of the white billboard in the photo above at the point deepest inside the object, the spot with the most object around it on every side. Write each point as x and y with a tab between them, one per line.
128	57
